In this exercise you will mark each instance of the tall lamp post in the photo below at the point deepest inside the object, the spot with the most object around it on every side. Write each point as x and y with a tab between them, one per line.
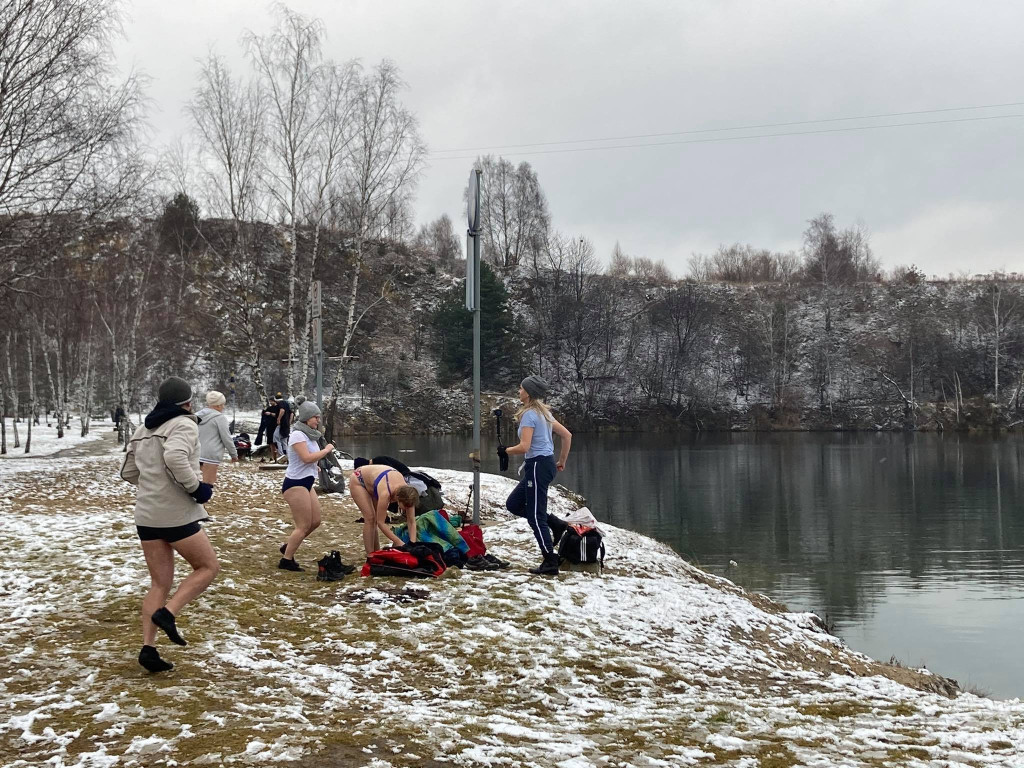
473	305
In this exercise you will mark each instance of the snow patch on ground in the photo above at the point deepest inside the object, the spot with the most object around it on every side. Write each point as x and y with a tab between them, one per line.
45	440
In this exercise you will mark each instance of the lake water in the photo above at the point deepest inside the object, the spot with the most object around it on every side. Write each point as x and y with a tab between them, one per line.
911	544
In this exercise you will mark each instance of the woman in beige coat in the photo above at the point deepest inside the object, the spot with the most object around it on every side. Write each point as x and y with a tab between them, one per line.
163	461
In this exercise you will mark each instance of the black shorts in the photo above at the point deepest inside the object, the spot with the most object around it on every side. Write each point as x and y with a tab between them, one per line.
305	482
176	533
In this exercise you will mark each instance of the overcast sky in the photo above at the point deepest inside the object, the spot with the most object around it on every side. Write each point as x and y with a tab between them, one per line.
947	197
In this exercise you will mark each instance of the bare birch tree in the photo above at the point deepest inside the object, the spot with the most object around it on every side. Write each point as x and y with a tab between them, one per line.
386	156
514	214
335	90
12	382
229	122
1000	306
60	107
287	61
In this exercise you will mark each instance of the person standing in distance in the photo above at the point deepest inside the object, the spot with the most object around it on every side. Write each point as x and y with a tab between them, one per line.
268	422
304	452
284	423
214	436
529	499
162	460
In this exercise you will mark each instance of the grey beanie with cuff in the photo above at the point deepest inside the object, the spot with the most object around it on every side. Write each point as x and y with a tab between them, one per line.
307	411
536	387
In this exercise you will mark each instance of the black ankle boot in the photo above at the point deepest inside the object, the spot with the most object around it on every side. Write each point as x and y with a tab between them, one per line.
549	567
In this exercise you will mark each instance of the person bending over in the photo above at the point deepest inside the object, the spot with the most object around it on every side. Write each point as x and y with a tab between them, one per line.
373	488
162	459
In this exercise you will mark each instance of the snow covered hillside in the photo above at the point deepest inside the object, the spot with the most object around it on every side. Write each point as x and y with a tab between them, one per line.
652	663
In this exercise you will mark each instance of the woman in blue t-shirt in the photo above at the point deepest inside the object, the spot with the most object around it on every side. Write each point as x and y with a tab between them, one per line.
530	497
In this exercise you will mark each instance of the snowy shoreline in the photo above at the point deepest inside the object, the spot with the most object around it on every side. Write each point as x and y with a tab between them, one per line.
654	662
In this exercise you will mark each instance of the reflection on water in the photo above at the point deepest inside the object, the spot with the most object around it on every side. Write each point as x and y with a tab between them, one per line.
912	544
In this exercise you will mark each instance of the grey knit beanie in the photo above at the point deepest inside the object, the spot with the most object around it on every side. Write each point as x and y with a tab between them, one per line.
307	411
535	387
175	390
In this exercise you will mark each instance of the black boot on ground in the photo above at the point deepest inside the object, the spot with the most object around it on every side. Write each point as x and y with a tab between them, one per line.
549	567
340	566
330	567
289	565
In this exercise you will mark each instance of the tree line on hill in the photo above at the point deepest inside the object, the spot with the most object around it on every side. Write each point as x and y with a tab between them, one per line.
117	269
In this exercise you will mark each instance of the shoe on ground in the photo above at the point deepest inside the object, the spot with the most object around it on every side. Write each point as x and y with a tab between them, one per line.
548	567
481	563
289	565
502	564
338	565
328	568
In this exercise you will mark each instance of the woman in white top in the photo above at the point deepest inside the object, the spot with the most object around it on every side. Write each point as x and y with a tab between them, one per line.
214	436
303	454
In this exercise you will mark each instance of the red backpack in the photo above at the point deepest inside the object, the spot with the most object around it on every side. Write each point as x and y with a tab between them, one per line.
421	560
474	536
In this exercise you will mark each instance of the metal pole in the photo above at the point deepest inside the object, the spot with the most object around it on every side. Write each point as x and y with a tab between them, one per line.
320	369
476	377
318	340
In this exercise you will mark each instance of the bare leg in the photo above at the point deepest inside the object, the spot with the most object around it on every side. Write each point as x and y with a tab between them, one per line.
210	472
298	500
316	515
160	561
364	501
198	551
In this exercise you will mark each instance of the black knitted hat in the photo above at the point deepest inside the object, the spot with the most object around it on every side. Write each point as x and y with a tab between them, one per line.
175	390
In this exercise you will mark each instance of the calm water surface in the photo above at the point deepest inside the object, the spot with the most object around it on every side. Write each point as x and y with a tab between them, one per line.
913	545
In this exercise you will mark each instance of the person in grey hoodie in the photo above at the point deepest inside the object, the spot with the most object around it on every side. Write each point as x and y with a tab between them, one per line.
214	436
162	460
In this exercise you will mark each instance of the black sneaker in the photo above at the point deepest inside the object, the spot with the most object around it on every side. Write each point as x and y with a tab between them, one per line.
481	563
502	564
289	565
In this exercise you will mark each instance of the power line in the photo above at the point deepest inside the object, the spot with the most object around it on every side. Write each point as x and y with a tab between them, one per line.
741	138
734	128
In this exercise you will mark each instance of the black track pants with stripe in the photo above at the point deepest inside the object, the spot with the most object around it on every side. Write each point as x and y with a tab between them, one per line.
529	499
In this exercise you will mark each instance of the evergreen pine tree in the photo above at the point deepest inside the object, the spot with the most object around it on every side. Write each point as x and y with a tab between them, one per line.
501	348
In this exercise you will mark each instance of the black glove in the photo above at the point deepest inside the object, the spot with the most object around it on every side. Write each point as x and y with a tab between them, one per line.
502	458
203	493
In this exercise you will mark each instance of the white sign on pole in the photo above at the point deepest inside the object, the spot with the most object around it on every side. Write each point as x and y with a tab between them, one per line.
470	275
315	298
473	201
317	338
